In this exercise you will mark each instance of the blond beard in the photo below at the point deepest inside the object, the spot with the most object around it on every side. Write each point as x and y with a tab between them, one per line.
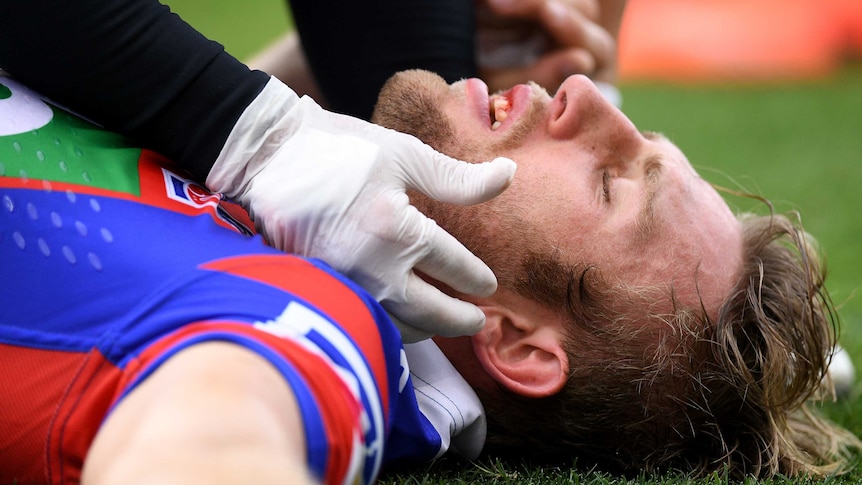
410	103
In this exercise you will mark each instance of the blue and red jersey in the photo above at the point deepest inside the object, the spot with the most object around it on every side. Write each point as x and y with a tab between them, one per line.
112	261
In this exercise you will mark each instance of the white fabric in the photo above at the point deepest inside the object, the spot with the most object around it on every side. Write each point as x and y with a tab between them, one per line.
611	93
841	371
22	111
333	187
447	400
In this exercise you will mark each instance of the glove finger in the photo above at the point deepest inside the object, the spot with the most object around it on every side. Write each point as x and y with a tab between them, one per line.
427	310
441	256
409	334
453	181
448	261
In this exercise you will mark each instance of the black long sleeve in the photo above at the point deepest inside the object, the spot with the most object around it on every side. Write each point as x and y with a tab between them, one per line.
353	47
134	67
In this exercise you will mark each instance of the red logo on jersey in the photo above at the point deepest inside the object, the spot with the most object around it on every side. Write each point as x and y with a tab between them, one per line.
197	196
188	192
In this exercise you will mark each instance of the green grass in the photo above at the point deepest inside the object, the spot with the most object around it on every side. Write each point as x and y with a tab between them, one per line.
492	472
244	27
798	144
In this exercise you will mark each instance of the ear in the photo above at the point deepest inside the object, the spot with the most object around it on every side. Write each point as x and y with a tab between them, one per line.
522	350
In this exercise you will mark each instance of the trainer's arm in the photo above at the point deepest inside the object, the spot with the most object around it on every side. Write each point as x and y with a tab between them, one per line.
285	59
215	413
134	67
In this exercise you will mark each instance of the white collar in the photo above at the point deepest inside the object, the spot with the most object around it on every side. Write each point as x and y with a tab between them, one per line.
446	399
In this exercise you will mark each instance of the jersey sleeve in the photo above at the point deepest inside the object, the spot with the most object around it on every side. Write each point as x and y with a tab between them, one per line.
134	67
337	351
331	409
354	47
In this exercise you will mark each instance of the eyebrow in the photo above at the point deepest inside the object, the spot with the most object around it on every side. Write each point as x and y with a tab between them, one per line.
653	166
644	222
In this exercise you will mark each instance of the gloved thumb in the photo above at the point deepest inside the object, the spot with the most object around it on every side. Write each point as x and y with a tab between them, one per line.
453	181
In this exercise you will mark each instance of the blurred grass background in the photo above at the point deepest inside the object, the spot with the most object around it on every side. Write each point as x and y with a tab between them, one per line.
796	142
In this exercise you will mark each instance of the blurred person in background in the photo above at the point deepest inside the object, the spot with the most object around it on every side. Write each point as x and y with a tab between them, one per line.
502	42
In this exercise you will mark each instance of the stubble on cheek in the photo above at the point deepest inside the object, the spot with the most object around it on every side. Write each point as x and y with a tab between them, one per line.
410	102
413	102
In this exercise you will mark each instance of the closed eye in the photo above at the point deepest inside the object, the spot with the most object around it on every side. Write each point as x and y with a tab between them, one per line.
606	185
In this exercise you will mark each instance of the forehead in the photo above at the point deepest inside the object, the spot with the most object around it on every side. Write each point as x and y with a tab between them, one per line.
695	244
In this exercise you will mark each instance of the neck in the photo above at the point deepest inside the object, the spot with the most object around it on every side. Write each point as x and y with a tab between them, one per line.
460	352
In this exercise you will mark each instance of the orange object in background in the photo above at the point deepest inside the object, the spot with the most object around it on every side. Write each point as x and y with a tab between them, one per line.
737	40
852	10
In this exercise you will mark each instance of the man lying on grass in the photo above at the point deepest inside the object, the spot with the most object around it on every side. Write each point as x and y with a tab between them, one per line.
638	323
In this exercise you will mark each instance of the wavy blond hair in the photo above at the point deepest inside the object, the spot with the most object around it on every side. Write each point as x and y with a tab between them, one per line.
686	393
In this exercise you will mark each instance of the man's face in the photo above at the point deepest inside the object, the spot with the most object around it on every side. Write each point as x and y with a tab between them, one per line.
590	187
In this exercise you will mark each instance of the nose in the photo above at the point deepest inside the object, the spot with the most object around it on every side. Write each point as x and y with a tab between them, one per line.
580	109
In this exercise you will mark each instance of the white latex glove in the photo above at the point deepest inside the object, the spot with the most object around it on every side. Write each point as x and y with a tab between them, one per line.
333	187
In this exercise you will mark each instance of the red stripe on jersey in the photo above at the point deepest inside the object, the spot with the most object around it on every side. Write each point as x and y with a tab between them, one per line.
153	191
339	408
339	302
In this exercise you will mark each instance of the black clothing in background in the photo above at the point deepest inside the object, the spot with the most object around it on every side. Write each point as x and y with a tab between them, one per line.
133	67
353	47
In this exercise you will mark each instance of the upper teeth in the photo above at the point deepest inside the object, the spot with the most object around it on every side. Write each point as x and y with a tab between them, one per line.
499	111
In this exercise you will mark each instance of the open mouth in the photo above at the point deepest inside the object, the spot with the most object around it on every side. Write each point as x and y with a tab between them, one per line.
498	108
